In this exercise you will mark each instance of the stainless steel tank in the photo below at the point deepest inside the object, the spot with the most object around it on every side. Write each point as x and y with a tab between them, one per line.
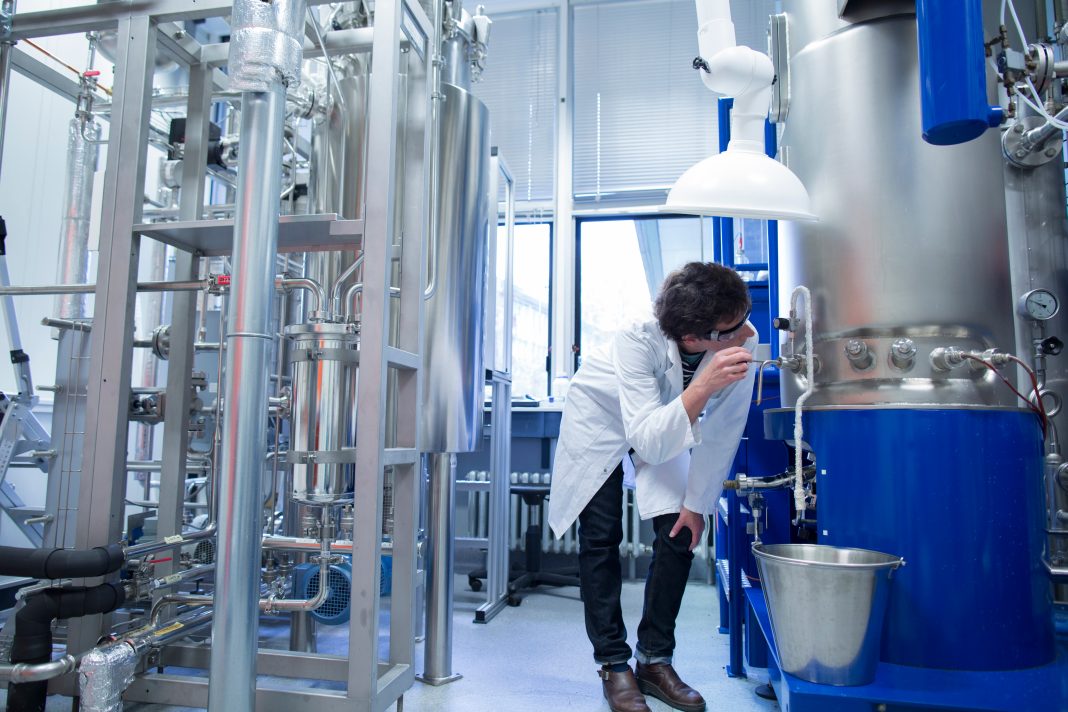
322	450
453	361
911	243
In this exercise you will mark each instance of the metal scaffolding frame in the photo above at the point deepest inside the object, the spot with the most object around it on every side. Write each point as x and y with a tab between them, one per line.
392	232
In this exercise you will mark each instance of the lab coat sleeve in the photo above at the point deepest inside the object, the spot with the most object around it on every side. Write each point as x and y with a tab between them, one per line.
657	431
721	433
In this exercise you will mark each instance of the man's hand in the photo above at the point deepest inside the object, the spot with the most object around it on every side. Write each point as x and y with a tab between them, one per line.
728	366
689	520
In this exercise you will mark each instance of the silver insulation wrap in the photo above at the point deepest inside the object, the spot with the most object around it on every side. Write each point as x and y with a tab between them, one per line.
268	38
103	676
77	205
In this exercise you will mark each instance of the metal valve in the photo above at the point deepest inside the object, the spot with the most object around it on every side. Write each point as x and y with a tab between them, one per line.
792	363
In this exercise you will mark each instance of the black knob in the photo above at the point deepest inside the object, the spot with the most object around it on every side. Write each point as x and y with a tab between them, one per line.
781	323
1051	346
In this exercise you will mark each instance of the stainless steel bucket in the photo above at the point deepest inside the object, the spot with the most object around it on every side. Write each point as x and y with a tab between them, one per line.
827	606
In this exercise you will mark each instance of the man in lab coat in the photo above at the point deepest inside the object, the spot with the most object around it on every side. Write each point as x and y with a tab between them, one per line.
673	395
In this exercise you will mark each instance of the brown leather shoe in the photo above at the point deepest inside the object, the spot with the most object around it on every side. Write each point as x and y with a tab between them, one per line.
662	682
621	691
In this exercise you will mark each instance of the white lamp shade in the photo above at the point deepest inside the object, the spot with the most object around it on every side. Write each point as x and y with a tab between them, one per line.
742	184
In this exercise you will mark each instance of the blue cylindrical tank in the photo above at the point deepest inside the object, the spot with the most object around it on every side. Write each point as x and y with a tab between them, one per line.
953	71
958	493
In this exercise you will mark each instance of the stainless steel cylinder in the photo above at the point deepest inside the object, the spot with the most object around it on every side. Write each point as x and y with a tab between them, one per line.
453	358
911	240
5	80
437	658
77	206
244	446
322	451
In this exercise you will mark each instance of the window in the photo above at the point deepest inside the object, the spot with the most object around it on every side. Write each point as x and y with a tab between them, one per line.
621	264
530	310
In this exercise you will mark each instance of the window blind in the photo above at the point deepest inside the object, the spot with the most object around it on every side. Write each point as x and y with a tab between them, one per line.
519	87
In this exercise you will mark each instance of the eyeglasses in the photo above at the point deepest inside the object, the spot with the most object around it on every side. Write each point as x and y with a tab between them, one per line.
728	334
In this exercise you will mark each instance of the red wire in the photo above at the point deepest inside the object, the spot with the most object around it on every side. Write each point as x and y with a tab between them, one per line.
1037	410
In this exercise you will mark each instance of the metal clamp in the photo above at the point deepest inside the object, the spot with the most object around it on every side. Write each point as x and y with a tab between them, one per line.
344	456
341	355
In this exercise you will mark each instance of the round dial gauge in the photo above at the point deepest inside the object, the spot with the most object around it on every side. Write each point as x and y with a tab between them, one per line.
1039	304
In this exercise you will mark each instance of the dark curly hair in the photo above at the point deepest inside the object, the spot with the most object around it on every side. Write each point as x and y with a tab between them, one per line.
697	297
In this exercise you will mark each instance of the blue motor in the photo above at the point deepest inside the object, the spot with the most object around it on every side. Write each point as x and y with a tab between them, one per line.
335	610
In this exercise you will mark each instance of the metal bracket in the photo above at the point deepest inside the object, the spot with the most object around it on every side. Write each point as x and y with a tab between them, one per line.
779	49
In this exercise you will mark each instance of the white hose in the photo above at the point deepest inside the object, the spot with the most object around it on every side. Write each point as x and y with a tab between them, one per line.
799	484
1036	106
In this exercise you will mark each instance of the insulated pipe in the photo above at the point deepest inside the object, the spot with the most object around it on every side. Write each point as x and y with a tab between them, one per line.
77	206
104	672
61	563
33	633
266	51
437	662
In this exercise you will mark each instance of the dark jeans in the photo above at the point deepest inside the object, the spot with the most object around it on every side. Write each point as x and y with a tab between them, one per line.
600	533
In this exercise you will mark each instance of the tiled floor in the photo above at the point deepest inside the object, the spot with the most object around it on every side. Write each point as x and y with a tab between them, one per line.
536	658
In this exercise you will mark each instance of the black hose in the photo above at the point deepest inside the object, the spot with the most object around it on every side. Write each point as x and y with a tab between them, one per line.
33	633
61	563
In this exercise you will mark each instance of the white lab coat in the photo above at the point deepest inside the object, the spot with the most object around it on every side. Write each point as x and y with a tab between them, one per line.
628	395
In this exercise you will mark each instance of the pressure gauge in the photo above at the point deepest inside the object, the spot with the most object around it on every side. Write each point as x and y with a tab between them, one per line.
1039	304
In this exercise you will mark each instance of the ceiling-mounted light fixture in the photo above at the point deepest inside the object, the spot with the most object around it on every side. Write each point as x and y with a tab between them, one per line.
741	181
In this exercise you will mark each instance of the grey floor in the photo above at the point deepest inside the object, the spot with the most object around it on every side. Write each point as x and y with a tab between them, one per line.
536	657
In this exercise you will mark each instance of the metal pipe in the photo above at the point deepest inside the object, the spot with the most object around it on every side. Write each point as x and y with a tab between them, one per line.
335	292
35	290
271	604
170	542
232	683
180	576
306	283
437	664
37	672
350	297
1059	572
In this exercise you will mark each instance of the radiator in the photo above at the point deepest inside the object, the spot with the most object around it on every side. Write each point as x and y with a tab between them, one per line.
520	513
